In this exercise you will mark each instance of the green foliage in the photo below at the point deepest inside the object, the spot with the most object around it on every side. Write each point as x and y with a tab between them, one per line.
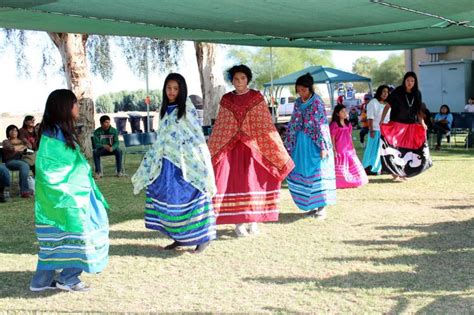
124	101
285	61
162	54
364	66
390	71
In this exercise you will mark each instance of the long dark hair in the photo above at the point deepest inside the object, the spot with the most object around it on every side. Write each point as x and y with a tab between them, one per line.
415	91
378	93
307	81
335	117
180	99
58	114
27	118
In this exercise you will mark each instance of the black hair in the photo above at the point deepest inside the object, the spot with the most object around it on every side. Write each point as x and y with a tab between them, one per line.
307	81
180	99
239	68
27	118
378	93
447	107
10	128
413	75
58	114
335	117
104	118
415	91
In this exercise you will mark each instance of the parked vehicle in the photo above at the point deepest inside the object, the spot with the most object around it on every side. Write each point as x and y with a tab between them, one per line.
286	105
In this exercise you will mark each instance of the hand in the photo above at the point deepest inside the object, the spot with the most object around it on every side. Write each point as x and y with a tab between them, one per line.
324	154
372	133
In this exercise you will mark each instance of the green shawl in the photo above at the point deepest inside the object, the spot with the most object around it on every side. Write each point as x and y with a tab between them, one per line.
63	187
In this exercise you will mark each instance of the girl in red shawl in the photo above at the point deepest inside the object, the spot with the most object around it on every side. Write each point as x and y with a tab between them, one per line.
248	157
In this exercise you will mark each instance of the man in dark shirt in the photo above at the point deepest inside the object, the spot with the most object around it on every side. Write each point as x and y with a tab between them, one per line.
106	143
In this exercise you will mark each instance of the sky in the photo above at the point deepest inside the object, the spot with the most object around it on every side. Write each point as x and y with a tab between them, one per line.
20	95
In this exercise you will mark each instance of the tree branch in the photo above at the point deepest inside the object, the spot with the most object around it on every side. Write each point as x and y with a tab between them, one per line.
56	38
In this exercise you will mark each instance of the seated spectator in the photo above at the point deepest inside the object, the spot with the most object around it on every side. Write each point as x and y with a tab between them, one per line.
28	132
442	124
354	118
18	156
427	119
106	143
364	130
470	105
4	181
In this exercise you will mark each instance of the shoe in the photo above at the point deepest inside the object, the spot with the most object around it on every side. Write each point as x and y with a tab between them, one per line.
201	247
321	213
26	195
240	230
173	245
311	213
437	147
52	286
120	174
98	175
253	228
78	287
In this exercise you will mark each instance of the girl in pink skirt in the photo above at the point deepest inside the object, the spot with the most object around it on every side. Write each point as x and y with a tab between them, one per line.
349	170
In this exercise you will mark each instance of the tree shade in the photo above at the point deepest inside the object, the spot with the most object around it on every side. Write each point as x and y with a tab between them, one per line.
325	24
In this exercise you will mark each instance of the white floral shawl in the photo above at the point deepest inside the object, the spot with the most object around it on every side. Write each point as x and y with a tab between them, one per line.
182	142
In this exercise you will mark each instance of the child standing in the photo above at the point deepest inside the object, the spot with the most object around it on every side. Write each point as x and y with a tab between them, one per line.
71	221
177	173
372	161
349	170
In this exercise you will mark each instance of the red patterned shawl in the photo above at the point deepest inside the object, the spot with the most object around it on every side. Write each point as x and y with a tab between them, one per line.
246	118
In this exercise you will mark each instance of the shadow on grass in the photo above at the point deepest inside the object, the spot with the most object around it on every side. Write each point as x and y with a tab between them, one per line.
379	180
452	304
456	207
16	284
135	235
288	218
447	266
148	251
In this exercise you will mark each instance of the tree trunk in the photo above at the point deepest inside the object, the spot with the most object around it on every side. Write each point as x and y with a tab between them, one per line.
73	53
212	83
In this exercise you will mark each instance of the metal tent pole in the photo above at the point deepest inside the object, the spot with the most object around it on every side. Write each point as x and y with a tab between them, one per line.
147	99
271	87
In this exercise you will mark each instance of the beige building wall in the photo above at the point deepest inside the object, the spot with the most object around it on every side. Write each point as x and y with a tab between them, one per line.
418	56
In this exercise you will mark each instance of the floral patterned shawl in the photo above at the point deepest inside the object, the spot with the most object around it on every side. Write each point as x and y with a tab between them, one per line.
182	142
310	118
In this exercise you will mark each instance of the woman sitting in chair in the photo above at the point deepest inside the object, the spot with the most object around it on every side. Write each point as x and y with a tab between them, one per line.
18	156
442	125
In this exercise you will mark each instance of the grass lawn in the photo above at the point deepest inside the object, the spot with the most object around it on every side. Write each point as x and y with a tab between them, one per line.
385	248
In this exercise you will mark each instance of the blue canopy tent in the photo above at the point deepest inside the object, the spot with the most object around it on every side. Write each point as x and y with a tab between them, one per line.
321	74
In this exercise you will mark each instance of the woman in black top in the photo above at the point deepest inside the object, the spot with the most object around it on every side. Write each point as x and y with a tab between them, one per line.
405	152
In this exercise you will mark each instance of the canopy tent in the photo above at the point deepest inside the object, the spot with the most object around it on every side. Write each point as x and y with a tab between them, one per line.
321	74
325	24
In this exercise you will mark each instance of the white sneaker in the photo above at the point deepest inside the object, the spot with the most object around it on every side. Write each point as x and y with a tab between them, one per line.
253	228
79	287
240	230
321	214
